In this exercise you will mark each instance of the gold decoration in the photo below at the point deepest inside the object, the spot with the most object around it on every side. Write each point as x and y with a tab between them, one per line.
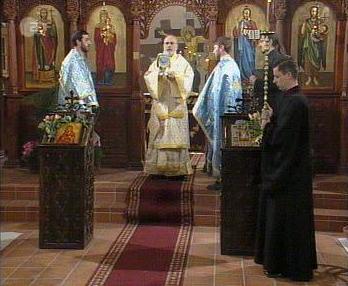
72	9
107	30
145	11
280	9
10	9
346	8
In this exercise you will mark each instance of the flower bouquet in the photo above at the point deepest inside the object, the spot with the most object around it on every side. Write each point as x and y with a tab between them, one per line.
30	155
254	127
51	124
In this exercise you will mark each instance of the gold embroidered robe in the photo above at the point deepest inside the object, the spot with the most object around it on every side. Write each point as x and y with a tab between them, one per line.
168	146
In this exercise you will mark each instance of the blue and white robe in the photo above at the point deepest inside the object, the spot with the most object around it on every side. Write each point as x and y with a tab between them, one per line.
75	75
220	92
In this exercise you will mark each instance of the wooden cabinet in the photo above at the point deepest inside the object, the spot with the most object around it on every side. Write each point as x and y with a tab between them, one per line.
66	195
239	197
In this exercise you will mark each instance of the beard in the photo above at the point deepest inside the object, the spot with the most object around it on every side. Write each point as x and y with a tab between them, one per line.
84	49
169	52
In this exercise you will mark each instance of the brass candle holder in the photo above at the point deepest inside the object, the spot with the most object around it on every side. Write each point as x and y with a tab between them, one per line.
265	35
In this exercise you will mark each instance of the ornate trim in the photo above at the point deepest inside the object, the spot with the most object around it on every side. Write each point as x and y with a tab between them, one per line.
10	9
280	9
106	265
72	10
137	13
145	11
88	6
26	6
137	9
209	10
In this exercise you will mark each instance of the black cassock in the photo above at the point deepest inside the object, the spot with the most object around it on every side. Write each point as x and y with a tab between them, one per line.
285	241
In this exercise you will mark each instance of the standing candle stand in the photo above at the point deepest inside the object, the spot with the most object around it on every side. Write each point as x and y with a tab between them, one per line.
265	35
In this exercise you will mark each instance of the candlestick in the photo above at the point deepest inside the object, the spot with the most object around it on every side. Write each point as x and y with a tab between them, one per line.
268	12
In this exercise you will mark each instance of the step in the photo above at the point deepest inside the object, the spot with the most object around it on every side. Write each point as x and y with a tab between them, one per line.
331	183
28	210
105	210
329	200
109	191
113	211
330	220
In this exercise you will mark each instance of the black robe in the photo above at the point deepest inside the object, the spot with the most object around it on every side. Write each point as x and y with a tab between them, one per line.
285	241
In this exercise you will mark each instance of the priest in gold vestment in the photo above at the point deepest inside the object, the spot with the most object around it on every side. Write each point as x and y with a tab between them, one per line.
169	80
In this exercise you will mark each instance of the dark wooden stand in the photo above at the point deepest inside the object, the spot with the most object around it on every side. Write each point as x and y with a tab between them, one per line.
239	197
67	194
3	158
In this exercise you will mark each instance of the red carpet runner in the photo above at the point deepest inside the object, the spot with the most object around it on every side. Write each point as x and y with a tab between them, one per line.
153	246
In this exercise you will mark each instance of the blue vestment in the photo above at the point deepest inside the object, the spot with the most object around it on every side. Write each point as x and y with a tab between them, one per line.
246	57
75	75
219	94
244	49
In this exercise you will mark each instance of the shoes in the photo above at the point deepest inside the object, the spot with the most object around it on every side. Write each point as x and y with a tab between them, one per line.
272	274
215	187
205	169
177	178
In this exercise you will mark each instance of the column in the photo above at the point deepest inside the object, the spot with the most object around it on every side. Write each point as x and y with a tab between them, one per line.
73	9
11	97
136	137
344	105
280	13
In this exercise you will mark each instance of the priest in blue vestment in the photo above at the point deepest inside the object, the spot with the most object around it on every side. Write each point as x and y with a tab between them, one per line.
75	74
218	96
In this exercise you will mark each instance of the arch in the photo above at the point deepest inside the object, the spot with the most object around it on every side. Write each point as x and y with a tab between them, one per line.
232	23
42	58
26	6
146	20
225	7
192	44
328	43
108	55
334	5
90	6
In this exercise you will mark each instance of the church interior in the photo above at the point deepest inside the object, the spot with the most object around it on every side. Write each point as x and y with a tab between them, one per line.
76	214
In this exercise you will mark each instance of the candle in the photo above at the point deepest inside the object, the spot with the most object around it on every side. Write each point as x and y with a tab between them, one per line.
268	12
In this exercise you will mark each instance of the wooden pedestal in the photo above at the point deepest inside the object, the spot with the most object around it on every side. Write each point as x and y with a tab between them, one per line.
239	199
66	195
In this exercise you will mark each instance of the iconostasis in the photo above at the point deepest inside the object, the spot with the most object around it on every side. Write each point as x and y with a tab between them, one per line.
126	37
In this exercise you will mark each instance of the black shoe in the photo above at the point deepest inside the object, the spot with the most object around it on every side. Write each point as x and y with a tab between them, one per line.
177	178
205	170
215	187
272	274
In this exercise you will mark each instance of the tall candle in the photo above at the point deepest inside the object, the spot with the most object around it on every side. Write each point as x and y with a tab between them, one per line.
268	12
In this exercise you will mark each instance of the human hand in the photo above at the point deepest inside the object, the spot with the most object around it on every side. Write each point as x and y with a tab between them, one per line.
95	109
252	79
161	123
266	115
171	75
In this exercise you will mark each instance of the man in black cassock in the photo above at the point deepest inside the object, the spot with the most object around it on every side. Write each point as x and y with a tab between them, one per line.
285	242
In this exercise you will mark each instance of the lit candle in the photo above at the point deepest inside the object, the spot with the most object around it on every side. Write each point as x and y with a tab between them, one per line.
268	12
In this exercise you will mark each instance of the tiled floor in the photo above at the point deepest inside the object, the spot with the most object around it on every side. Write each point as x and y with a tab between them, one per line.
22	263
